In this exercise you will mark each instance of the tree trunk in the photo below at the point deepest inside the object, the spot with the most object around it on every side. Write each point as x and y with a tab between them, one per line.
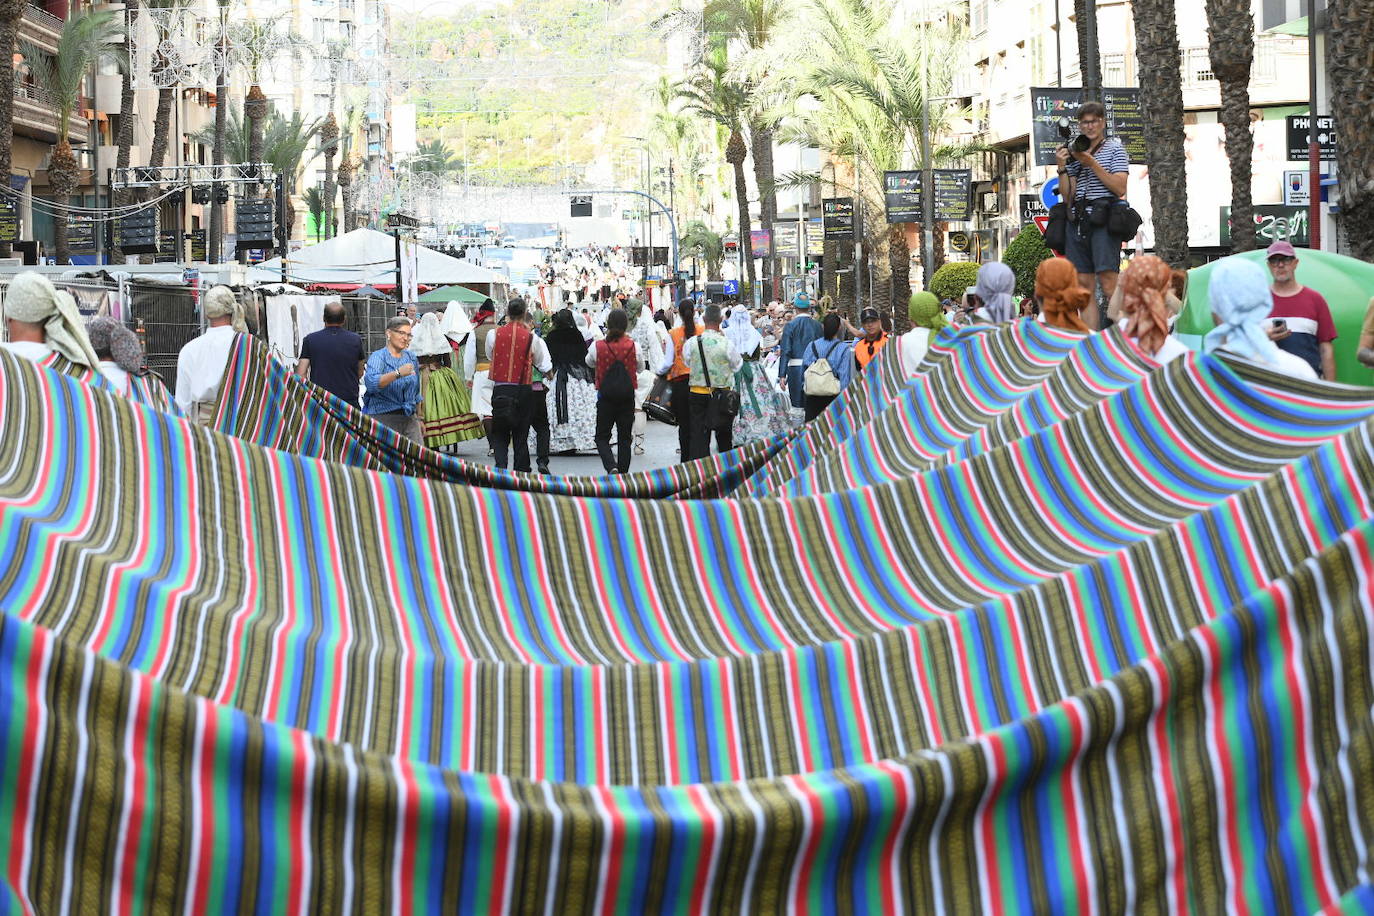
125	140
345	180
216	234
10	13
63	170
329	142
254	115
899	256
1351	74
1161	104
761	145
1089	59
1231	49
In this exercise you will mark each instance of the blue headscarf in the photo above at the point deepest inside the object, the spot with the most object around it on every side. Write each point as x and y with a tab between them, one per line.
996	283
1241	300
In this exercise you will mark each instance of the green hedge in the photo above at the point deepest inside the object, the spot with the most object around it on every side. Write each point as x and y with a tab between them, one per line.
953	278
1023	256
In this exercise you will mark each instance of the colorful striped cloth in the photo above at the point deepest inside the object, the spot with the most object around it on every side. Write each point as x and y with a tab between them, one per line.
1120	662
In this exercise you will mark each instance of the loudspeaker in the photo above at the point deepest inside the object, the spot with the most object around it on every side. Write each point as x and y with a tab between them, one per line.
138	232
253	223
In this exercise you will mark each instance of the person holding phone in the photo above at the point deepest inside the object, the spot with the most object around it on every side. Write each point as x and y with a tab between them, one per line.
1300	322
1092	180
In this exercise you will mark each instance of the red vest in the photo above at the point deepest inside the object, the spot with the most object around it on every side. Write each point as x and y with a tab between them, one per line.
510	361
607	354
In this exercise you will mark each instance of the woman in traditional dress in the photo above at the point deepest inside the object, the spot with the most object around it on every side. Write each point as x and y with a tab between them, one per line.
572	407
444	407
651	342
763	411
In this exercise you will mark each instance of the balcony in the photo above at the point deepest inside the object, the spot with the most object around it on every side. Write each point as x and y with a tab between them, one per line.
35	114
40	27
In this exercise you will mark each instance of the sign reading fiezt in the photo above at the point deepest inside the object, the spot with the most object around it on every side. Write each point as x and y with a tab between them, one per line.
839	218
1300	136
1048	105
902	195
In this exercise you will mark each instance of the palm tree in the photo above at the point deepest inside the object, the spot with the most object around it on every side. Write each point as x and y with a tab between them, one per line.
11	11
87	39
1089	59
162	118
221	121
125	140
433	156
1349	38
1231	48
329	146
314	202
711	93
257	43
701	242
1161	104
284	146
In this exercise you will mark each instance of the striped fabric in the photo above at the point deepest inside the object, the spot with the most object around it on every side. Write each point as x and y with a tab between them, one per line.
1110	655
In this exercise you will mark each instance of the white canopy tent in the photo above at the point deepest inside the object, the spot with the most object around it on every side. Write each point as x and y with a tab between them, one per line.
368	257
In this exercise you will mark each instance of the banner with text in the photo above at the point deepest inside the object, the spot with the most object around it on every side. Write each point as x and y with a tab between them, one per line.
1049	105
839	218
953	195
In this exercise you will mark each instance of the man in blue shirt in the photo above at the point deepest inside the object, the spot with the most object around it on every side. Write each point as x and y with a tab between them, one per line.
392	382
333	357
799	332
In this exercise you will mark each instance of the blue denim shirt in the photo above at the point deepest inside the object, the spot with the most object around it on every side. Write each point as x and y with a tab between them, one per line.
838	353
402	394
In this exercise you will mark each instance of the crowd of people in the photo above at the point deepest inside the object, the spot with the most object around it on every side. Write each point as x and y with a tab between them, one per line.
538	382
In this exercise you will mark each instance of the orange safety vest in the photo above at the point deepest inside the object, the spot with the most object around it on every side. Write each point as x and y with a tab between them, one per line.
865	350
679	370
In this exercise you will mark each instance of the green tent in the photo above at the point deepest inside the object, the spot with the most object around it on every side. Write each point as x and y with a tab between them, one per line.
1346	283
453	294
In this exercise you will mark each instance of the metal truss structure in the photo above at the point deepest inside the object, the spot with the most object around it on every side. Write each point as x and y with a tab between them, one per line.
238	173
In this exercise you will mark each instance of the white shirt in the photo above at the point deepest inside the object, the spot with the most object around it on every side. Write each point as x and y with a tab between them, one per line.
200	367
915	343
32	350
539	353
117	377
1171	349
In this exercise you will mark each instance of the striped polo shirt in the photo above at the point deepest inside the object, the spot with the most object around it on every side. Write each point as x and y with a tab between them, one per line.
1112	155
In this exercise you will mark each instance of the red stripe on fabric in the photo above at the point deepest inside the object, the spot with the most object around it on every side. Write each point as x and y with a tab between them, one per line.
700	803
751	567
481	503
799	902
937	735
615	849
194	551
285	525
1080	615
612	624
139	798
299	822
537	721
1087	488
200	894
727	702
900	806
1215	704
665	680
537	551
22	827
799	717
990	857
117	575
250	575
861	710
1070	799
501	863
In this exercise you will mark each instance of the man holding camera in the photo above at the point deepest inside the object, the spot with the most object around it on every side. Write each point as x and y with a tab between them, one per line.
1092	177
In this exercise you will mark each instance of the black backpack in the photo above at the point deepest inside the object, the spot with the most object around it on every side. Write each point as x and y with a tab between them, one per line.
616	384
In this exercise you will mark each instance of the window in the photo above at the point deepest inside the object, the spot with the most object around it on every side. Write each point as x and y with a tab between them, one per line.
978	16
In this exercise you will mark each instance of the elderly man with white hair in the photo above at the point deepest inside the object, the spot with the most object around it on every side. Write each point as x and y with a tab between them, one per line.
42	320
201	363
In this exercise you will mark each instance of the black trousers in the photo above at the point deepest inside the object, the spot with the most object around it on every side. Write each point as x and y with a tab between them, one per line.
681	403
620	416
539	422
701	432
512	429
816	405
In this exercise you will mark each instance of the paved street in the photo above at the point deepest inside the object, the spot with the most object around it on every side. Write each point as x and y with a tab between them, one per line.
660	450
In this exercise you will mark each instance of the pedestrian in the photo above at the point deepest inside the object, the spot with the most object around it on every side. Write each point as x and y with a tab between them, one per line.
391	382
540	431
443	410
515	353
874	338
994	287
120	358
573	417
1300	322
1092	182
1146	287
333	357
712	363
827	381
615	358
1364	350
42	321
652	342
457	330
797	335
1241	301
477	363
1060	299
927	320
674	366
201	363
764	411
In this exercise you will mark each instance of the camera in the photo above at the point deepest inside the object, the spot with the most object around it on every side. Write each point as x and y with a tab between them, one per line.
1078	144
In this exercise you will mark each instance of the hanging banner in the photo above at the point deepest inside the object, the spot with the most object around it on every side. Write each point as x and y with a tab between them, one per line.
760	243
785	242
1049	105
953	195
9	222
815	237
839	218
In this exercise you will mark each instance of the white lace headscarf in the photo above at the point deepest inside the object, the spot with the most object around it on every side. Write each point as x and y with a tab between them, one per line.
33	299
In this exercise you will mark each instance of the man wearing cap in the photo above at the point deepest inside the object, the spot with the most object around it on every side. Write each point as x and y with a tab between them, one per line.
1301	320
42	320
798	334
866	348
201	363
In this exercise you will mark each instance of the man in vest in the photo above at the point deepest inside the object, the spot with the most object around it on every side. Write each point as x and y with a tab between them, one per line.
477	362
515	353
867	348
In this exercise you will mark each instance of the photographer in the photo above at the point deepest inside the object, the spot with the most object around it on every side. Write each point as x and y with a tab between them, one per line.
1092	176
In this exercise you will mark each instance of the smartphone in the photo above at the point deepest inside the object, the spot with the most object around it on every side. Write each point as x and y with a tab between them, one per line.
1279	323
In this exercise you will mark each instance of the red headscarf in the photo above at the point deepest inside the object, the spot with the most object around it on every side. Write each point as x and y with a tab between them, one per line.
1061	298
1143	286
